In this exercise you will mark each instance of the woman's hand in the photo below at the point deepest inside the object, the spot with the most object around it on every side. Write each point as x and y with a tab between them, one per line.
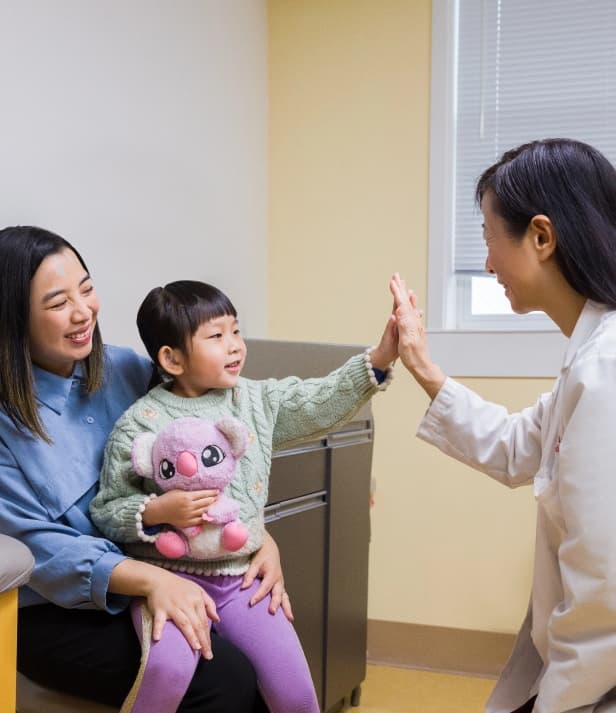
265	565
412	339
168	597
180	508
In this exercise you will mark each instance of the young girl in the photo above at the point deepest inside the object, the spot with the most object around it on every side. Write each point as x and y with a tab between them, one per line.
191	331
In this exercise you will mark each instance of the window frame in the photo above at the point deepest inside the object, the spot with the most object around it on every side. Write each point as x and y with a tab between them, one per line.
498	350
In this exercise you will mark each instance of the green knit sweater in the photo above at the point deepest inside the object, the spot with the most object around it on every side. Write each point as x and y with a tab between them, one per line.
277	413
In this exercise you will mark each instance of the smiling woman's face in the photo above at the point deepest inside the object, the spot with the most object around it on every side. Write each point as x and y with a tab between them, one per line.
63	311
512	259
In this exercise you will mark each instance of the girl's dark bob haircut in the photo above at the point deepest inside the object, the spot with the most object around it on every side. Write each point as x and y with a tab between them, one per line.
170	315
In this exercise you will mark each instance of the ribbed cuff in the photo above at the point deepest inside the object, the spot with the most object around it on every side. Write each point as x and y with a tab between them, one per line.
389	372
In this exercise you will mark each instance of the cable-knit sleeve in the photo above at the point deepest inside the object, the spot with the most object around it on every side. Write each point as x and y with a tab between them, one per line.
304	408
118	506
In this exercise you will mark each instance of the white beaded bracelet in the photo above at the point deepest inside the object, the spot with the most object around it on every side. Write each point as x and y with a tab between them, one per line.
139	520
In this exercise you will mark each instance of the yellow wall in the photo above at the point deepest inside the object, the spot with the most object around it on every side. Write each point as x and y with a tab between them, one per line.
349	130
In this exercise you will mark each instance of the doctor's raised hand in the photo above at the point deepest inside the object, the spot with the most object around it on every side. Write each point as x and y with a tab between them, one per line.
412	339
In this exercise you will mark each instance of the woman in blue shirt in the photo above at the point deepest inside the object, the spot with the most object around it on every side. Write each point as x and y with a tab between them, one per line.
61	391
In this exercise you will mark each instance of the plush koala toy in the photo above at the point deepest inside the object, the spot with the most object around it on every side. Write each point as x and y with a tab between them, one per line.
196	454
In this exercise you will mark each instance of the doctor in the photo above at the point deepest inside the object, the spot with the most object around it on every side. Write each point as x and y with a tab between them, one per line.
549	210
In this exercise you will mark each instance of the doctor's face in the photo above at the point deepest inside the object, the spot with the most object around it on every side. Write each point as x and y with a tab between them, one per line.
512	259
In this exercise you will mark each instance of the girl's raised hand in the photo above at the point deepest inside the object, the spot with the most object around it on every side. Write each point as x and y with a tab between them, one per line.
386	350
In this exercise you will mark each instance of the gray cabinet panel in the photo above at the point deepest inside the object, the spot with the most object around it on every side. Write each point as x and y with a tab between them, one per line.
347	591
318	513
301	539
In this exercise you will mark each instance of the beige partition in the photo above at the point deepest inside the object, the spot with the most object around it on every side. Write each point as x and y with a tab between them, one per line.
349	129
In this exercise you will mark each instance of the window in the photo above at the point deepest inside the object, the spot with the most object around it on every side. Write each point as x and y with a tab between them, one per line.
505	72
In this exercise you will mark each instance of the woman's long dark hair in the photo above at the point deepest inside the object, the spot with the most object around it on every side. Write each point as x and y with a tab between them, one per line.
22	249
574	185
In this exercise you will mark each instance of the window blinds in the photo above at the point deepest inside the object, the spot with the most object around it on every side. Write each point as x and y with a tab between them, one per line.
527	69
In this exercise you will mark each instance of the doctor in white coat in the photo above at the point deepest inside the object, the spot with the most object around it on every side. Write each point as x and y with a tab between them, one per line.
549	210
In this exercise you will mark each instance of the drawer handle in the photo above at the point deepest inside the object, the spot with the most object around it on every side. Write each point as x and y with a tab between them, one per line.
293	506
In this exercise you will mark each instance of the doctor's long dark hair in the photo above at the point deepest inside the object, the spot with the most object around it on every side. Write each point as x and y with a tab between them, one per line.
574	185
22	249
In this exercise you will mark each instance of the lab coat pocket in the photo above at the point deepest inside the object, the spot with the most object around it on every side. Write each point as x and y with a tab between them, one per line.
547	494
543	482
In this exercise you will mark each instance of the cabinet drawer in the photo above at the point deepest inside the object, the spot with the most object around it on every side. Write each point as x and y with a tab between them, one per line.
297	473
302	542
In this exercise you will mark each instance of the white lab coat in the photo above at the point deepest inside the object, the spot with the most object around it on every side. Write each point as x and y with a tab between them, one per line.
566	446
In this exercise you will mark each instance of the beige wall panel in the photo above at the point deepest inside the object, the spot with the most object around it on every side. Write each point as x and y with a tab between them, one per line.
349	129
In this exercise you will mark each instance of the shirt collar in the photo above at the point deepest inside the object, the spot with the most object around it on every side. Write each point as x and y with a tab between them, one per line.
589	319
52	390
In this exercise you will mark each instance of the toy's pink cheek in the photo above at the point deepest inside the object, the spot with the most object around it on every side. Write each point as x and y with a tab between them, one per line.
186	463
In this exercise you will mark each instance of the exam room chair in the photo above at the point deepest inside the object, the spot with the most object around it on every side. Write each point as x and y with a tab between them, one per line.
17	693
16	564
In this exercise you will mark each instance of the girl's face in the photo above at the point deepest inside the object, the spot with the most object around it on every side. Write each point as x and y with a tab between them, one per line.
63	311
513	260
215	358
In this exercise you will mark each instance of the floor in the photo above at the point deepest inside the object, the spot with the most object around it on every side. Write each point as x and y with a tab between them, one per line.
399	690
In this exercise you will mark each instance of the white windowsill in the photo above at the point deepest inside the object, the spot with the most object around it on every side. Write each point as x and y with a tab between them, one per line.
523	354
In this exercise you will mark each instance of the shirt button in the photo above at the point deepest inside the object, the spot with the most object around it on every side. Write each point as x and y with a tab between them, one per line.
89	419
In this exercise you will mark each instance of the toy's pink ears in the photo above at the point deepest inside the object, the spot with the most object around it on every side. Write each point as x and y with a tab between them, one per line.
141	454
236	433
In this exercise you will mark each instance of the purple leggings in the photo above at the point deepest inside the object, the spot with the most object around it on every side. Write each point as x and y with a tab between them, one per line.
268	640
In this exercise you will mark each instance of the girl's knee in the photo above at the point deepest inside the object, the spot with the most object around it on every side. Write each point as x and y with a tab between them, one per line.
299	698
227	683
176	662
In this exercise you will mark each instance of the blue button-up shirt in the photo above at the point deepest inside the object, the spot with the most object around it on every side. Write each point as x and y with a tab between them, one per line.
45	489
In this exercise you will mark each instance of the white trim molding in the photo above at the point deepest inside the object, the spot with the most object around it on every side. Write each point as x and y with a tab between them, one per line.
526	354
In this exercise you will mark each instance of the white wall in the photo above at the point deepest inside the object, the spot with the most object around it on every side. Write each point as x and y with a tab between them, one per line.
137	129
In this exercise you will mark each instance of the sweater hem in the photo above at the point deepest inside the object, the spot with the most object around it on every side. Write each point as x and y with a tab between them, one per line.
236	567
